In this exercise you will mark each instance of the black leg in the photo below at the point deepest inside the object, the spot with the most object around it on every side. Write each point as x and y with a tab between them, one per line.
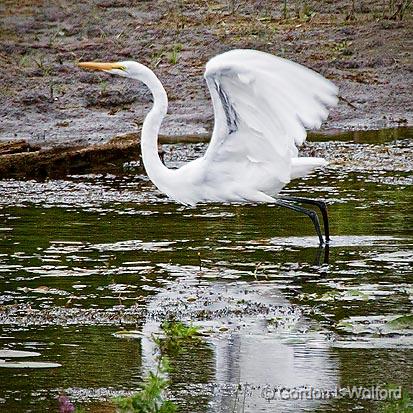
311	214
326	254
320	204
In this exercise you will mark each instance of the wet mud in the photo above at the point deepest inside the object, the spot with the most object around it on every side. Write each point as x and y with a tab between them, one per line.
46	100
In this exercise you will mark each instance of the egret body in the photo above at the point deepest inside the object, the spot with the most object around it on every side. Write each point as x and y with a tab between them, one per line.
263	105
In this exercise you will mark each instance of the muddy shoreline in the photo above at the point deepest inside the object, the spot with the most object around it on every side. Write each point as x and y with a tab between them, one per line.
46	100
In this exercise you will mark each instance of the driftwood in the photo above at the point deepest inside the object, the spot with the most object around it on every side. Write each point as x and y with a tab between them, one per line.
21	160
17	146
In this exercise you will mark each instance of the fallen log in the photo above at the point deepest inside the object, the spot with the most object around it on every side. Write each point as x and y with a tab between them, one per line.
21	160
16	146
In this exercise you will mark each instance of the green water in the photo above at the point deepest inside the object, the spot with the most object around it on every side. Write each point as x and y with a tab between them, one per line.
84	258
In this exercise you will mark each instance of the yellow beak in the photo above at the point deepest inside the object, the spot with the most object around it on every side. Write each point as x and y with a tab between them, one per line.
100	66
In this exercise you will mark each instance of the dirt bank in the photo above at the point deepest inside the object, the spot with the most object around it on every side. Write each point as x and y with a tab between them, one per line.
46	99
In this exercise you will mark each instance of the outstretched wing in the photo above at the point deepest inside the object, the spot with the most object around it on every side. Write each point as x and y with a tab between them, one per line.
262	105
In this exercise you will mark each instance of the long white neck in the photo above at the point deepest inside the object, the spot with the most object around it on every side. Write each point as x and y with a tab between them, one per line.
159	174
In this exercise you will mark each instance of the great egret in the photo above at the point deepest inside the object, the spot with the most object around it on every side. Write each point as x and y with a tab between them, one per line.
262	105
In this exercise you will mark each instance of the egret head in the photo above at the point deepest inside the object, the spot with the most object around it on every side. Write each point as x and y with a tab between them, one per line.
126	69
133	70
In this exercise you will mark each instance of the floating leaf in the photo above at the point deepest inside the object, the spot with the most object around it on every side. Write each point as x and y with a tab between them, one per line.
17	354
129	334
29	365
355	294
329	296
402	322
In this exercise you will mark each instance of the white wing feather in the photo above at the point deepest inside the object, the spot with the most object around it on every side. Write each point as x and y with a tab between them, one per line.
262	105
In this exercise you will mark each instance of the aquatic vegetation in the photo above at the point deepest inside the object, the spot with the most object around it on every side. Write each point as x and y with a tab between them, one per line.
378	330
402	322
151	398
176	333
403	405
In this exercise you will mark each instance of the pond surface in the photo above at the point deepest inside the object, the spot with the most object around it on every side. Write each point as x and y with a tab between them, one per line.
84	258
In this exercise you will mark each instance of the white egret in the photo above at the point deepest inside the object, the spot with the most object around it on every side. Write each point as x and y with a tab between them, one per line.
262	105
